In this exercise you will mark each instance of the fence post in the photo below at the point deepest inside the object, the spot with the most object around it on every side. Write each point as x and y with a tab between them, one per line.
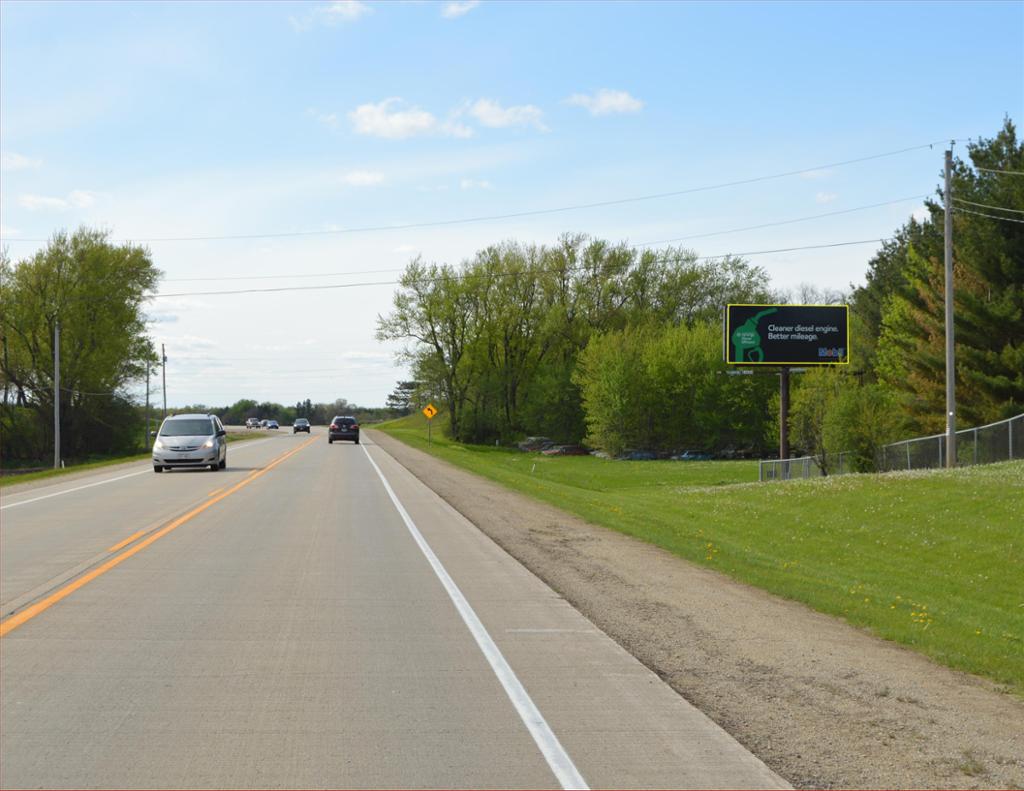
975	445
1009	428
908	454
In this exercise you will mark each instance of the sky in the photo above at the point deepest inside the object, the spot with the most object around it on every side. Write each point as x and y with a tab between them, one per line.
288	127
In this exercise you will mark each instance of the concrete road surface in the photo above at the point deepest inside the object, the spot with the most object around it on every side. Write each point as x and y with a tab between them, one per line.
312	617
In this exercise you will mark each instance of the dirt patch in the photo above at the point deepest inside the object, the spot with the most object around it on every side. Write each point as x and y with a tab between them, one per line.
824	704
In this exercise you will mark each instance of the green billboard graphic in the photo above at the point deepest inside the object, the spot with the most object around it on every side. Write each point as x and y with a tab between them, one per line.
787	335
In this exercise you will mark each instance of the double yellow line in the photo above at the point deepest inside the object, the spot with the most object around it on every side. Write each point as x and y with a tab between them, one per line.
32	611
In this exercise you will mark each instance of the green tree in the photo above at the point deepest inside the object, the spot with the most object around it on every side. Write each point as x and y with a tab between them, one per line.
988	278
96	291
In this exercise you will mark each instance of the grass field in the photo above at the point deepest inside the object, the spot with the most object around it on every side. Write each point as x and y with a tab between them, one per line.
10	480
932	559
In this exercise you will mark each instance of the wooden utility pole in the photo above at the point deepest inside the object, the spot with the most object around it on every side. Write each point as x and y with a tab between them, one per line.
163	362
56	394
145	440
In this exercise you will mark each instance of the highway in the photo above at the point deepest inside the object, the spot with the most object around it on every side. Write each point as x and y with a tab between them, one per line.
312	617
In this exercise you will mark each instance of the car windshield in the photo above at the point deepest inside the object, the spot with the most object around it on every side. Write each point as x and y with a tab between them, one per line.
189	427
301	421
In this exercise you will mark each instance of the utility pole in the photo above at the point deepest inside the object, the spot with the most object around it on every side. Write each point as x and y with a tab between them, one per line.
56	394
950	367
145	440
163	355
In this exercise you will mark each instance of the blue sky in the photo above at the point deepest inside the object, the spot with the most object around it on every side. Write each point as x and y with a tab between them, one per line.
158	120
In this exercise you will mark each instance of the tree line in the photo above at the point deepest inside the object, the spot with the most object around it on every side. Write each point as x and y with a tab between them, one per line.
579	339
895	387
582	340
97	292
590	341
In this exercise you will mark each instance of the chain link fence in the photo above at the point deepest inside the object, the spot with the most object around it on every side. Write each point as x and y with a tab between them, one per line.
1002	441
805	467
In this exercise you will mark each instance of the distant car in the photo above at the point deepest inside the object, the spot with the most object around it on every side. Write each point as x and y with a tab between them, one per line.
253	422
343	427
692	455
263	423
535	443
638	455
193	440
272	424
301	424
566	450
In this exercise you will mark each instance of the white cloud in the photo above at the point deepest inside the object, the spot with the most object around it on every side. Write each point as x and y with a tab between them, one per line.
363	178
453	128
386	120
7	231
606	102
381	357
336	12
457	8
490	113
36	202
347	10
82	198
9	160
921	214
825	197
470	184
329	120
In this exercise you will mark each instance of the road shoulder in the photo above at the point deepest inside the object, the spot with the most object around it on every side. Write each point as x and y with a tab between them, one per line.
822	703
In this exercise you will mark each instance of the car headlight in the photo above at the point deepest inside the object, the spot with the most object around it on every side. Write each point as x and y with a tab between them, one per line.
208	443
158	445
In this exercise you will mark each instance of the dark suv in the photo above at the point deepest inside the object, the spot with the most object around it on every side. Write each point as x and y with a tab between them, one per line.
301	424
343	428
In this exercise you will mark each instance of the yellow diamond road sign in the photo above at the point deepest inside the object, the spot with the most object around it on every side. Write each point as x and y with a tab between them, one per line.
430	410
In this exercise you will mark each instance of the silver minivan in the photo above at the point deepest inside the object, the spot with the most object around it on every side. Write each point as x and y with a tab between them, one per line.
190	441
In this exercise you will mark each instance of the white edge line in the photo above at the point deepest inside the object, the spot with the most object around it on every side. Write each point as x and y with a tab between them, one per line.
558	759
90	485
69	491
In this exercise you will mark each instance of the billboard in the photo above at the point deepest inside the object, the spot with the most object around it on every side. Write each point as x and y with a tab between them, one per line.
787	334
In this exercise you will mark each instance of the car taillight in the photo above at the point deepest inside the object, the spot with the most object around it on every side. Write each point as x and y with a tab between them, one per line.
333	427
355	425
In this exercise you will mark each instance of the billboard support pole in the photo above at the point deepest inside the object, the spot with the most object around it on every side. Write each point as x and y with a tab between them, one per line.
784	413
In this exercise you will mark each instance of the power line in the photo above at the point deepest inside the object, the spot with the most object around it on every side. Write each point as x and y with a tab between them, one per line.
274	290
989	206
635	246
1002	172
530	213
785	222
387	271
990	216
276	277
500	274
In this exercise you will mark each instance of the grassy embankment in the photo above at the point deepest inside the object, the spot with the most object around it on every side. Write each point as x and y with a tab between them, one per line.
933	560
89	464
